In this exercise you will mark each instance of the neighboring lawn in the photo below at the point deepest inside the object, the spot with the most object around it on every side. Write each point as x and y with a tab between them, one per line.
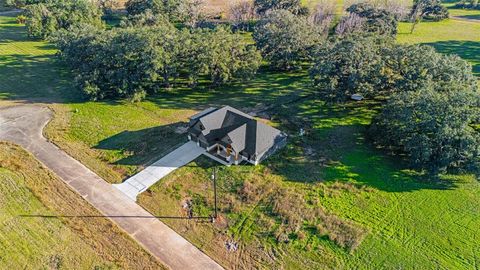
411	222
45	225
469	14
450	36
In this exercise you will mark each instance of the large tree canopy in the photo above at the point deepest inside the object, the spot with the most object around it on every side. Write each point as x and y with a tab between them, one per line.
190	12
294	6
22	3
377	66
132	62
413	67
429	9
377	20
351	65
220	55
285	39
45	18
136	7
433	126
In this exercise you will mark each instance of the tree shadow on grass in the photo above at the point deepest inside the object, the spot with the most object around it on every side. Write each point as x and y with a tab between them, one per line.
268	87
354	161
475	17
468	50
145	146
10	31
30	79
335	149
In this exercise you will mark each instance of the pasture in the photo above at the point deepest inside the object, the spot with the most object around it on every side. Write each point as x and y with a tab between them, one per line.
45	225
409	221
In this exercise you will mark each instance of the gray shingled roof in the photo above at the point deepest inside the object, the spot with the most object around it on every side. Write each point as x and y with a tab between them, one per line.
245	133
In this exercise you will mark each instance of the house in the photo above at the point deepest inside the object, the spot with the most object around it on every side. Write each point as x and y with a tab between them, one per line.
233	136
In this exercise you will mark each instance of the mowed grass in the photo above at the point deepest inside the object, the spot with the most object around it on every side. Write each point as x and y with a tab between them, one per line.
412	222
463	13
451	36
45	225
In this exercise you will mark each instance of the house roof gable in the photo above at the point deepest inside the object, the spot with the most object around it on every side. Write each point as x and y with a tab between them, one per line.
245	133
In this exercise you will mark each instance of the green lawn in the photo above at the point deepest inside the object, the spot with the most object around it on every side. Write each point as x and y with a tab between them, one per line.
410	222
450	36
463	13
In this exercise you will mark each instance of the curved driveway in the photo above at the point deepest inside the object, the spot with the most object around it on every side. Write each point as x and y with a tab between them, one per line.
24	124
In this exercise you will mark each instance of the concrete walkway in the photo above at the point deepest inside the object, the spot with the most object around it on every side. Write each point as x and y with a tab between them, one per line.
24	124
140	182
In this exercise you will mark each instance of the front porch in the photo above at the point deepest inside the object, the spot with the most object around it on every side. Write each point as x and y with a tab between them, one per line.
224	155
220	153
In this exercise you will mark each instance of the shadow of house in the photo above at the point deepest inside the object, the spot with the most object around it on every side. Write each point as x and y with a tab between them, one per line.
468	50
145	146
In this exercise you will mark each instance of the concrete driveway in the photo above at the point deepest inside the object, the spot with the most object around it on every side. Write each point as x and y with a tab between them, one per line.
140	182
24	124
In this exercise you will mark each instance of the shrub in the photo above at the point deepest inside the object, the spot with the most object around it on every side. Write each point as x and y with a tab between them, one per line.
21	19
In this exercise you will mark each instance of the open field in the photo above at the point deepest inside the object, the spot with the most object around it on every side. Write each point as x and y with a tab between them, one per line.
410	222
451	36
45	225
469	14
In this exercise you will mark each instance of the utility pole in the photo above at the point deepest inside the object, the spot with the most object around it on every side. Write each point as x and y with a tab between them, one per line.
214	178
